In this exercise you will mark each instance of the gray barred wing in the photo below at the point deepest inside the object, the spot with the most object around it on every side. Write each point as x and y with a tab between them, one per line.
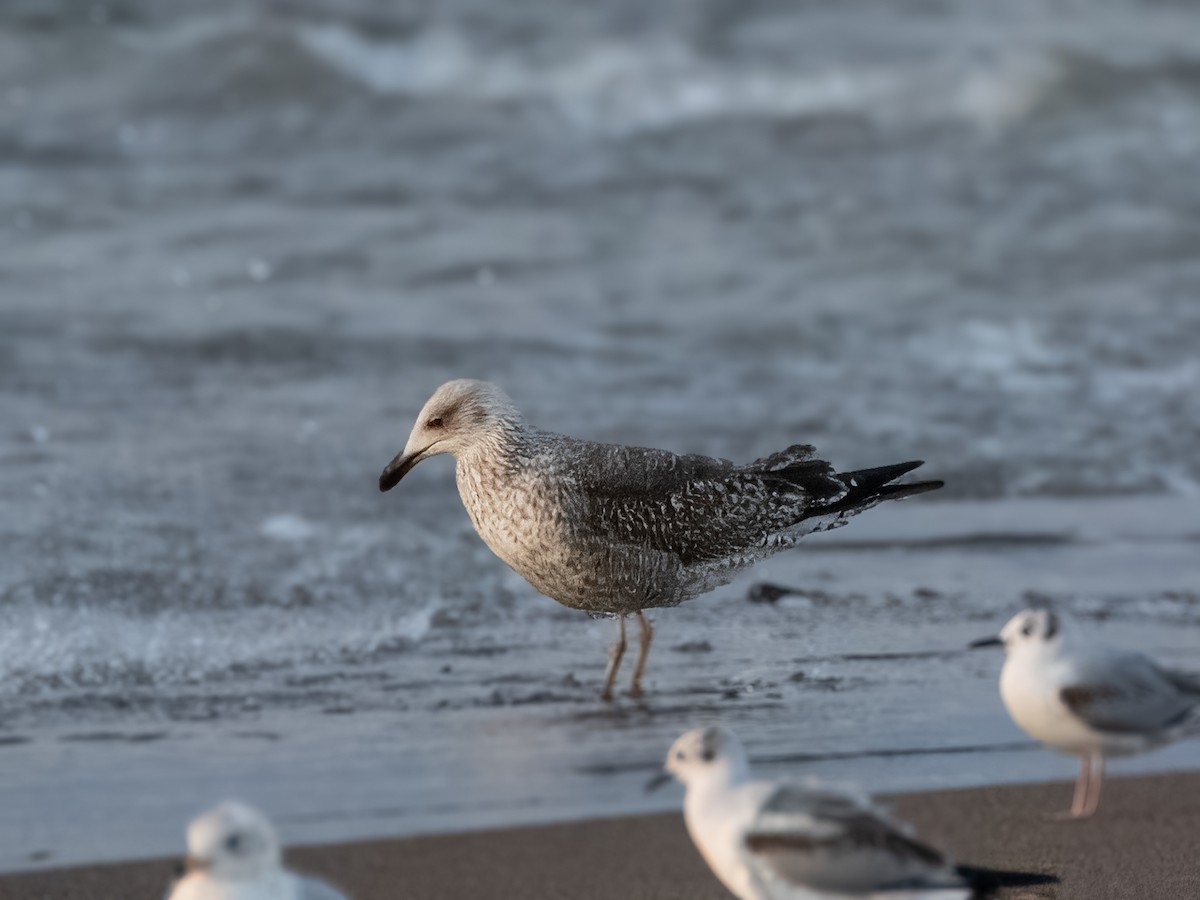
826	841
696	508
1126	693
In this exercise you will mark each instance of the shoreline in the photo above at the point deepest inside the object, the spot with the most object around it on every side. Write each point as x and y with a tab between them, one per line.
1142	843
881	638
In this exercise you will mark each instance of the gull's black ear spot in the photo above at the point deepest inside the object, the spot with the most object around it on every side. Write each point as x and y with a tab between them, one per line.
1027	627
708	745
1051	625
233	843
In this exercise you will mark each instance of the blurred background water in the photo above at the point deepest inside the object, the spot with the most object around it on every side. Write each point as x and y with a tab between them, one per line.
240	245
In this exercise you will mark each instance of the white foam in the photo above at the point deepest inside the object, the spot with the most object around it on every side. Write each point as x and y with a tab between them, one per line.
96	647
1006	91
623	86
287	527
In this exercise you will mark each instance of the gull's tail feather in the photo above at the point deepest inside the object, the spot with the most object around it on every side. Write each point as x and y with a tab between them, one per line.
986	882
866	487
1184	682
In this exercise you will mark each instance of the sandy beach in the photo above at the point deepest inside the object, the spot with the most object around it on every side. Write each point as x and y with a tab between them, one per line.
1142	844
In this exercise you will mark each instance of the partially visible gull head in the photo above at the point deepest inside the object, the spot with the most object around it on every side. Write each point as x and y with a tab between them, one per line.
707	753
460	414
234	842
1028	629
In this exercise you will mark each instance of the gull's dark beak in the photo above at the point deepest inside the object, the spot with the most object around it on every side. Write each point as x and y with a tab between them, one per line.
992	641
397	469
657	781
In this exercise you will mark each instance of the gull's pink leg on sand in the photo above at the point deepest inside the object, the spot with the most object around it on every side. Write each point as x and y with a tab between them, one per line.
1095	780
1079	802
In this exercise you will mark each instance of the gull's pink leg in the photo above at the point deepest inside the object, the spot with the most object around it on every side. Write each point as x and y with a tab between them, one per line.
1096	780
1081	787
615	652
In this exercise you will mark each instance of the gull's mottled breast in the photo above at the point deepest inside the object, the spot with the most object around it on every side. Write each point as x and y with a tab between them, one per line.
516	506
532	500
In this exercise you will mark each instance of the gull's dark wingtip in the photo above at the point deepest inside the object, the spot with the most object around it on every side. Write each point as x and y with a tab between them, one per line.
882	474
876	484
920	487
866	487
986	882
900	491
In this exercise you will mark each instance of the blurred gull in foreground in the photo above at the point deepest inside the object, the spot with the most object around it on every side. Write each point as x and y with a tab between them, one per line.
1086	700
616	530
770	841
233	854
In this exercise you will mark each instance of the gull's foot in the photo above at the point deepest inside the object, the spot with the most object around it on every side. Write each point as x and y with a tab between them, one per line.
1067	816
636	692
607	695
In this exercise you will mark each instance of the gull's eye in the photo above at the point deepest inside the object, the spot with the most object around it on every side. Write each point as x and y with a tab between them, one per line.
233	843
435	422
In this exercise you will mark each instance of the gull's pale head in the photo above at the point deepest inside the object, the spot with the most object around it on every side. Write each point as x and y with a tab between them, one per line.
458	417
232	841
707	753
1030	628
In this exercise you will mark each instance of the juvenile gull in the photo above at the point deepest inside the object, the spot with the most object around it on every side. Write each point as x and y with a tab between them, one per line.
773	841
233	854
611	529
1086	700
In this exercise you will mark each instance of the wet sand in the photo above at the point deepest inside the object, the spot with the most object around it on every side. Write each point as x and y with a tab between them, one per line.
1143	843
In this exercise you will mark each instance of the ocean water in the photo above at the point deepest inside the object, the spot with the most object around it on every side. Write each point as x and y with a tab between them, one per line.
240	246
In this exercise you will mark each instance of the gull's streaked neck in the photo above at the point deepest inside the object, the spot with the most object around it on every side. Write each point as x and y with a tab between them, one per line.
503	439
